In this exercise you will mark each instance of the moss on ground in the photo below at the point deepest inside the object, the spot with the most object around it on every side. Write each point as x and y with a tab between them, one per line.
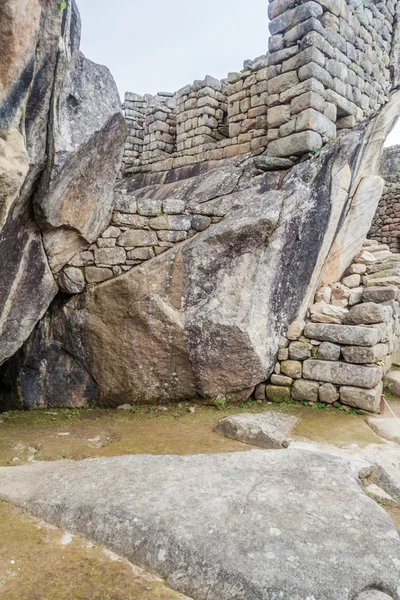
44	568
79	434
40	562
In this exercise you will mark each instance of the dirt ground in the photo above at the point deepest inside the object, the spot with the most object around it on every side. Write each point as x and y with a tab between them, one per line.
40	562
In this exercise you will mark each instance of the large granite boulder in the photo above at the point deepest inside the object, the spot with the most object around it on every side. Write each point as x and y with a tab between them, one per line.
60	145
259	525
204	319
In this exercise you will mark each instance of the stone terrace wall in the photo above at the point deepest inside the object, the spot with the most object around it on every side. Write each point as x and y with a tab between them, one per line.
327	69
341	354
386	224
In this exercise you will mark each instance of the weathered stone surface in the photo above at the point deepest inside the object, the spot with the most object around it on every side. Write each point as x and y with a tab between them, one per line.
71	281
236	541
365	399
292	368
299	350
328	351
364	355
379	294
342	334
137	237
305	391
110	256
296	144
321	312
328	393
272	163
342	373
59	151
295	330
386	427
97	274
392	382
368	313
76	192
352	281
267	430
277	393
281	380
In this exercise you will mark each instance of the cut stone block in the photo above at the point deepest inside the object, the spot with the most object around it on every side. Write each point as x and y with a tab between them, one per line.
369	400
276	393
342	334
296	144
97	274
328	393
380	294
305	391
267	430
364	355
321	312
342	373
110	256
282	380
299	350
272	163
135	238
328	351
292	368
295	330
368	313
312	120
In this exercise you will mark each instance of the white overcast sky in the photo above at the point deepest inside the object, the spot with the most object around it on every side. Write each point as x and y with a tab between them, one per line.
157	45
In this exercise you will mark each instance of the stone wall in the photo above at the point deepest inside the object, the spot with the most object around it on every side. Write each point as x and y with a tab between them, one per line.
341	353
327	69
386	224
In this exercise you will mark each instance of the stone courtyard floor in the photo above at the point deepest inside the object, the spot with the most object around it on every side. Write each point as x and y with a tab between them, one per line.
41	562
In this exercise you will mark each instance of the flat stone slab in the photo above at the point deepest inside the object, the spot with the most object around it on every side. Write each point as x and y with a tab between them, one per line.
267	430
258	525
387	428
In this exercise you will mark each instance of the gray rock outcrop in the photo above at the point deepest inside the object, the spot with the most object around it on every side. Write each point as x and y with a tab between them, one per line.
61	142
256	525
204	319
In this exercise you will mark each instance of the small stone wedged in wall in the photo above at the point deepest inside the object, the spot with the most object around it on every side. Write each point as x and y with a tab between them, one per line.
344	349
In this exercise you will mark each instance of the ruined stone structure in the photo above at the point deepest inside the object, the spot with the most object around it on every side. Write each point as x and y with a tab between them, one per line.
240	197
328	68
386	224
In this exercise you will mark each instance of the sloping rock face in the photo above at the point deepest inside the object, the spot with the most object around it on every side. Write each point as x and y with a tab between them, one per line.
259	525
204	319
60	122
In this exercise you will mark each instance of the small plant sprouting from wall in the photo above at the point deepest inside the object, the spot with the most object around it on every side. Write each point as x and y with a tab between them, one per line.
62	5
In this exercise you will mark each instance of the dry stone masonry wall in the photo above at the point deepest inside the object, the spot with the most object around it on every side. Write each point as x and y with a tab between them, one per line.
342	352
327	68
386	224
